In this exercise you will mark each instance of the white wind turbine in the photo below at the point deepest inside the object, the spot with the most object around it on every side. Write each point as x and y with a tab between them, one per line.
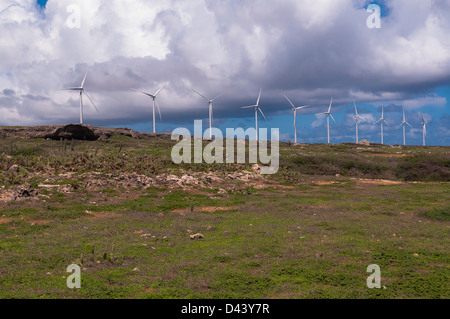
404	123
357	117
257	108
328	114
210	102
82	90
155	105
424	126
295	109
382	121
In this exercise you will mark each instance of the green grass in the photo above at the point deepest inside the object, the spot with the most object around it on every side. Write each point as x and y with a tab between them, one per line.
297	238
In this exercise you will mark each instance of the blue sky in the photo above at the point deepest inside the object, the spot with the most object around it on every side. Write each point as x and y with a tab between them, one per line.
308	50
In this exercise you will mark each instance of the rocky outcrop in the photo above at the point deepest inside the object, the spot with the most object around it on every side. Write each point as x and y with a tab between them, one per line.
73	132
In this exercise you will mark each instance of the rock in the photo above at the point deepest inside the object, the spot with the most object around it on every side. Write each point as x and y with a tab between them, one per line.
364	142
197	236
256	168
14	168
74	132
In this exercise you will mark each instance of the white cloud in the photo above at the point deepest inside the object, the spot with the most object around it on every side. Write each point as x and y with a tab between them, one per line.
312	49
425	101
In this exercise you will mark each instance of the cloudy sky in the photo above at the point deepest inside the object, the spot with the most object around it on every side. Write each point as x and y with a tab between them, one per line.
310	50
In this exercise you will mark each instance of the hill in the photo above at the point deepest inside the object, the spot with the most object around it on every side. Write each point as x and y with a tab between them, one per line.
141	226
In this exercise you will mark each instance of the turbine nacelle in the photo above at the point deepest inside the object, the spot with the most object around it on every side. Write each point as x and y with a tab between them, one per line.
295	109
155	104
82	91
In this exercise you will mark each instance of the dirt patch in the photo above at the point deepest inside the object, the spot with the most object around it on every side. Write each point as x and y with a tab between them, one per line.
38	222
379	182
389	155
323	182
205	209
102	214
5	221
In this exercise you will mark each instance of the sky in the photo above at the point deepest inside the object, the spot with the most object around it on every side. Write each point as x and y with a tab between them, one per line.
309	50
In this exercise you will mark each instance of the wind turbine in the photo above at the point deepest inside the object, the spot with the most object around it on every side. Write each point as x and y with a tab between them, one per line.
82	90
257	108
328	114
424	126
357	117
210	102
295	109
404	123
155	105
382	121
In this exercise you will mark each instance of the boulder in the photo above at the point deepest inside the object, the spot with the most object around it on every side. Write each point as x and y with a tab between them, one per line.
364	142
74	132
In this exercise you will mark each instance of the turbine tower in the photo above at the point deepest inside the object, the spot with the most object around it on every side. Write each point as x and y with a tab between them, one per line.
404	123
357	117
155	105
257	108
82	91
424	126
328	114
210	102
382	121
295	109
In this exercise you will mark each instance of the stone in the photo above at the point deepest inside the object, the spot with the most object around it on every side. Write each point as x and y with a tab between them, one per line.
14	168
364	142
197	236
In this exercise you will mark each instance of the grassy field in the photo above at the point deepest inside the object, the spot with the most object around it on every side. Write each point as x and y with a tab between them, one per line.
117	209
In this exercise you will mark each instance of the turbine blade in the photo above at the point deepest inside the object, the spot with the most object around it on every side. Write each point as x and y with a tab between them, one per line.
248	107
329	109
292	104
262	114
90	100
84	79
71	89
201	95
217	97
356	110
159	111
333	119
301	107
259	97
156	94
408	124
152	96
